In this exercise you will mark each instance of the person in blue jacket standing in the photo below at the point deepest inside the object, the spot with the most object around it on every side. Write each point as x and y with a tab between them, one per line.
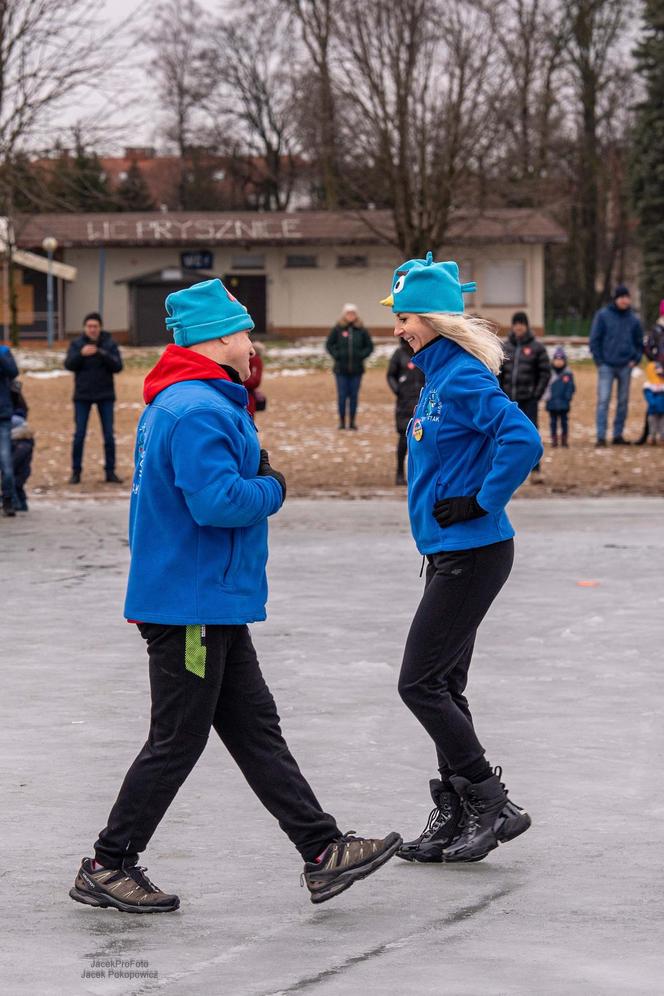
8	371
201	496
558	397
616	344
469	449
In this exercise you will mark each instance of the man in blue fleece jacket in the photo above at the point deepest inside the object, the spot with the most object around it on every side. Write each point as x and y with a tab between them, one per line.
201	496
616	344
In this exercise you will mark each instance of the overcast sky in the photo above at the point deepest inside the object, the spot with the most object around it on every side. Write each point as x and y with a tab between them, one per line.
122	108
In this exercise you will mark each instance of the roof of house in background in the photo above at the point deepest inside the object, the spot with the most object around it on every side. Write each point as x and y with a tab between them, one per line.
277	228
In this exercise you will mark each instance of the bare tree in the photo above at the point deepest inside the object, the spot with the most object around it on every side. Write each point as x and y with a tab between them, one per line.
418	106
531	40
182	66
254	61
597	68
49	50
318	27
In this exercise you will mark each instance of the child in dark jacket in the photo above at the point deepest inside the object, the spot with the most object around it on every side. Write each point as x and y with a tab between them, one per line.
23	444
559	396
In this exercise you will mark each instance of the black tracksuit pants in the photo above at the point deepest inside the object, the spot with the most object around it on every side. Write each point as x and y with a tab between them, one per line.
460	587
204	677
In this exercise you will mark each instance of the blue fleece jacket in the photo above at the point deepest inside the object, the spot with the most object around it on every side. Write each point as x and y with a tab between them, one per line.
198	512
616	337
466	438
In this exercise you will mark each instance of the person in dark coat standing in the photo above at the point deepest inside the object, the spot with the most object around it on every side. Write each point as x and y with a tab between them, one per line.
349	344
8	371
94	359
616	344
406	381
526	369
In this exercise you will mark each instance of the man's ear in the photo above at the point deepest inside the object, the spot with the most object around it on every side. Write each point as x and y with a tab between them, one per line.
224	339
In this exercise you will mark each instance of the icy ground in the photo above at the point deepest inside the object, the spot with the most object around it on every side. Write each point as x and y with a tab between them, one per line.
567	688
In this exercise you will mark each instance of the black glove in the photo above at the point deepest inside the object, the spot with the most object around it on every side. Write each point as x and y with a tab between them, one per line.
265	470
449	511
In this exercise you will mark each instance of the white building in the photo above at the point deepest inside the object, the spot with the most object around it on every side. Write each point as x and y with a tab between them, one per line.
293	270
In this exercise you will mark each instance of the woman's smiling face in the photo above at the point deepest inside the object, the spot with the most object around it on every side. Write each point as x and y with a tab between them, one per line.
414	330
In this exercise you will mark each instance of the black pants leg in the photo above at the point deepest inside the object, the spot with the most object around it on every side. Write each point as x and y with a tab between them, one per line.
81	416
402	452
457	680
461	585
246	719
188	672
105	409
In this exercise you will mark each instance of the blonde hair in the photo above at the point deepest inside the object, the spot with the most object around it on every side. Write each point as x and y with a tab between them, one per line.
475	335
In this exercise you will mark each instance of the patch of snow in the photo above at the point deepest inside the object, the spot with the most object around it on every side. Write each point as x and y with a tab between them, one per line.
46	374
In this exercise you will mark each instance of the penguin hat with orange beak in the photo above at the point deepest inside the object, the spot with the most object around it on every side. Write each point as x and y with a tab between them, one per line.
421	286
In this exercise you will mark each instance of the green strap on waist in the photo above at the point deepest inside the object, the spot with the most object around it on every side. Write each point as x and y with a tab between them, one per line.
195	651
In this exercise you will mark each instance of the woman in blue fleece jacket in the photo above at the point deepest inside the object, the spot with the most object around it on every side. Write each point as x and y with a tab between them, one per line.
469	449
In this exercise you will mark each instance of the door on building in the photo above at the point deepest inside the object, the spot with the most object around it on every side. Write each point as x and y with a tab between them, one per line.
148	314
251	291
147	293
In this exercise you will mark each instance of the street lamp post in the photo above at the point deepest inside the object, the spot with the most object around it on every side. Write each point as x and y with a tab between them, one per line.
49	245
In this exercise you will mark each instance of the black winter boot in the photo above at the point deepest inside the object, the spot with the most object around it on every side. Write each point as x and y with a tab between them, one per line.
440	830
489	818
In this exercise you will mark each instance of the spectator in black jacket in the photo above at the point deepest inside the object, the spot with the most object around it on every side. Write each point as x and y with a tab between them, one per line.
406	381
94	359
526	369
8	371
348	344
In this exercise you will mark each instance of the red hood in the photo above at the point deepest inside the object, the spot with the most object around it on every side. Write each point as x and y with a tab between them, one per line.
176	364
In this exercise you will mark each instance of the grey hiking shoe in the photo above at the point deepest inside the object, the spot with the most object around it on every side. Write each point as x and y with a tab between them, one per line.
127	889
345	861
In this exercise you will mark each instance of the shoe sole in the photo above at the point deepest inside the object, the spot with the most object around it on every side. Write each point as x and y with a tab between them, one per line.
434	860
348	878
107	902
502	836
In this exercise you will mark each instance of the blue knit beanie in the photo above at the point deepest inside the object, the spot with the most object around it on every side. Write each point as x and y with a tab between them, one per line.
420	286
205	311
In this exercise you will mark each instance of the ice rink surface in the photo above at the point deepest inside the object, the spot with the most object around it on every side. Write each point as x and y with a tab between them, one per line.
567	692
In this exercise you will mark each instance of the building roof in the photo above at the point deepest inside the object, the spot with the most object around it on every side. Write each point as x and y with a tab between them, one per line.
277	228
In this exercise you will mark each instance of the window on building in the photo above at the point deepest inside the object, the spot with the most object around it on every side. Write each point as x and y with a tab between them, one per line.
248	261
300	261
122	175
350	260
504	282
219	175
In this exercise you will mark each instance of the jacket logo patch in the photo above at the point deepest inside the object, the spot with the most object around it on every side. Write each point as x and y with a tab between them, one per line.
418	430
433	406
